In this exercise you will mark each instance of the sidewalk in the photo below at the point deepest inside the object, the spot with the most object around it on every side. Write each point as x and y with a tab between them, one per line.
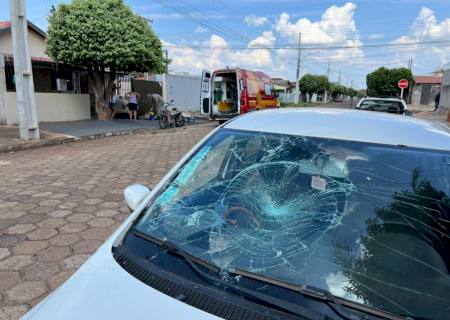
439	117
69	131
10	141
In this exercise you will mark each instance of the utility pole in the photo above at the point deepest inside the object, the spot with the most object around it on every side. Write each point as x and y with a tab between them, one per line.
2	90
297	75
166	52
339	81
325	100
328	69
410	62
408	98
26	103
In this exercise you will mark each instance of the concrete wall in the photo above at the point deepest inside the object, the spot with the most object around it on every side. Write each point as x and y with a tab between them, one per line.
416	95
52	107
35	42
445	91
184	90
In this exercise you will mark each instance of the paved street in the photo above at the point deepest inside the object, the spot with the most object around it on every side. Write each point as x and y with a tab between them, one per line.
58	204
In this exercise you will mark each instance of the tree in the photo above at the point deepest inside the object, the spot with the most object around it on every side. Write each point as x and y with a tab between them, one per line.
423	211
337	90
311	84
383	81
351	92
104	36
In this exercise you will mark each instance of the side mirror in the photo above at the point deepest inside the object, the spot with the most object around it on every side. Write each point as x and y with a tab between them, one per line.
134	195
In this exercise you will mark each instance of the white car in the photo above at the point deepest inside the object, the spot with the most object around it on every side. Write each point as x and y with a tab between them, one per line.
389	105
281	214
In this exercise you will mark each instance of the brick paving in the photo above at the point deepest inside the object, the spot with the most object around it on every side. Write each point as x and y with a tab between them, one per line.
59	203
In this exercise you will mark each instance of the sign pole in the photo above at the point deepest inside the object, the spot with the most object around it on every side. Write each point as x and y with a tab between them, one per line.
402	84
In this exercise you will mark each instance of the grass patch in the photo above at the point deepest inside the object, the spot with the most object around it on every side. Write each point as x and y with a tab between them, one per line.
294	105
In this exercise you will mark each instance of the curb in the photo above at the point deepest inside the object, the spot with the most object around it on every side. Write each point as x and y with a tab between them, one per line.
38	144
69	139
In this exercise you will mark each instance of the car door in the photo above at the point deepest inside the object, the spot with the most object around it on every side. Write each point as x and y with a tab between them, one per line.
205	93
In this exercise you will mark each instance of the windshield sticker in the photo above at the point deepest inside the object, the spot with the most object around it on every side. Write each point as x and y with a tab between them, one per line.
318	183
167	195
189	169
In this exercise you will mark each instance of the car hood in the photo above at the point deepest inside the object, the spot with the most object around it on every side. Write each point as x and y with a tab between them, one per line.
101	289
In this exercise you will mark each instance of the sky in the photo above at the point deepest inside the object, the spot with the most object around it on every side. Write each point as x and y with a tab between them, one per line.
352	37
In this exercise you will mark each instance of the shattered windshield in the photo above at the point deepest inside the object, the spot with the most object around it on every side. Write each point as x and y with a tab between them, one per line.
368	222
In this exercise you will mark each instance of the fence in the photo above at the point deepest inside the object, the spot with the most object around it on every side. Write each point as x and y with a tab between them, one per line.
445	91
288	97
46	76
146	88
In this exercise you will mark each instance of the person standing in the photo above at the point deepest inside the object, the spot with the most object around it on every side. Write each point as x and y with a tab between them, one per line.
112	105
133	98
437	100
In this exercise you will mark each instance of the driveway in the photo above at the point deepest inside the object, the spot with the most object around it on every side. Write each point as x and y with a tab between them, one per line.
58	204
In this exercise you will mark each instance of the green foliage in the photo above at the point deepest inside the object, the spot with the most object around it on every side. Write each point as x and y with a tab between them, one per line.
361	93
100	34
337	89
383	81
351	92
421	211
310	83
294	105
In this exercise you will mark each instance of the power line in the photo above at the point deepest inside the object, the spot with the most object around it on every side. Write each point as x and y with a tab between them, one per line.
315	48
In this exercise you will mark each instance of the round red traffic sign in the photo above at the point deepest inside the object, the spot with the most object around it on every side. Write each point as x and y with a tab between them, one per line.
403	84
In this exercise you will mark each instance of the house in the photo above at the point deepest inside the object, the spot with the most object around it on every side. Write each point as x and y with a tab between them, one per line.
445	91
425	89
285	90
283	86
61	91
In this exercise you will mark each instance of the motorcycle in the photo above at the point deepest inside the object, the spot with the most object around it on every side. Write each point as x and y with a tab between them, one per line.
169	118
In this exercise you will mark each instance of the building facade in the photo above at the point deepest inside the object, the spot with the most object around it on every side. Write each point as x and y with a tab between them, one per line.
62	92
425	89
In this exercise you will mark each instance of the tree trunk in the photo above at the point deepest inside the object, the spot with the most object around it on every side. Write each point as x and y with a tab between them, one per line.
102	87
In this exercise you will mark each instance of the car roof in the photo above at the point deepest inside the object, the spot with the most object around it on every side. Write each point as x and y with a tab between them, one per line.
383	99
347	124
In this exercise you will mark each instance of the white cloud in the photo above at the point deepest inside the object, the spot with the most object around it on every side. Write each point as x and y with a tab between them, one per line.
255	21
200	29
216	54
376	36
256	57
336	26
426	28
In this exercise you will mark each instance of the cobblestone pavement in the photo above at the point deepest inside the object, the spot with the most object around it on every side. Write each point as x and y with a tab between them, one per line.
58	204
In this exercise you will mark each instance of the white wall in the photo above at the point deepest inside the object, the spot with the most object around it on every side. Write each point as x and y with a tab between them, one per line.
416	95
184	90
52	107
288	97
36	44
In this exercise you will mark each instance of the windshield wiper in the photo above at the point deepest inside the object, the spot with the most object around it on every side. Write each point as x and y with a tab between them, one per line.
265	299
336	304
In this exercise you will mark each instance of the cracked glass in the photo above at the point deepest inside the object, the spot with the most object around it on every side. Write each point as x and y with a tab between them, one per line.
368	222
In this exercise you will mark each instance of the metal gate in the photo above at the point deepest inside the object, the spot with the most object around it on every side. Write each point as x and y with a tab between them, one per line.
426	94
146	88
